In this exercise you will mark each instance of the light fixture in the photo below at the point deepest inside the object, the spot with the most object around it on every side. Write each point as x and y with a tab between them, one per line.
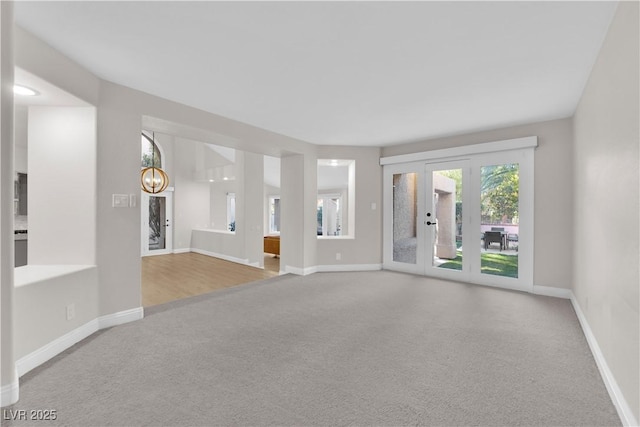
154	180
24	91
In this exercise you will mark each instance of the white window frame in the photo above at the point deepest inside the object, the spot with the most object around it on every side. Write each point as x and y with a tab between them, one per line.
347	202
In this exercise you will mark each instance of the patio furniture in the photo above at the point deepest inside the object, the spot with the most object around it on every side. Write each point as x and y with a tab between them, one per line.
512	238
493	237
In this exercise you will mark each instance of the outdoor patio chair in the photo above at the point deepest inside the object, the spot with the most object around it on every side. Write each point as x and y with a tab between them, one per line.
512	238
492	237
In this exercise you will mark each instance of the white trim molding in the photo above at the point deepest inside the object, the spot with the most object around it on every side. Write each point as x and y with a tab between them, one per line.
622	406
10	393
348	267
182	250
465	150
550	291
299	271
120	318
221	256
330	268
57	346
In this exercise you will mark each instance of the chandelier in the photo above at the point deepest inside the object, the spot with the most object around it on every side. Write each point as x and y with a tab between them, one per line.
154	180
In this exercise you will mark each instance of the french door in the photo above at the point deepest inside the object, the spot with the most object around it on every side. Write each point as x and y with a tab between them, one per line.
465	219
446	219
157	223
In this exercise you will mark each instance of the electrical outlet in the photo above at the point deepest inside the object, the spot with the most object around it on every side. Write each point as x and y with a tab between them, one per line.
338	256
71	311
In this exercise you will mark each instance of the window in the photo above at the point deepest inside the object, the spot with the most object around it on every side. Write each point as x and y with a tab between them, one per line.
151	155
231	212
274	215
329	215
335	212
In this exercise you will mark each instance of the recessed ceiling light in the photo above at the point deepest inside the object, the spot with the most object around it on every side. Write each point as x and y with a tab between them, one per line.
23	90
225	178
210	180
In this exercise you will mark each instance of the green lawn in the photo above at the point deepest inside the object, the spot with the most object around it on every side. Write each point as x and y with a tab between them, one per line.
497	264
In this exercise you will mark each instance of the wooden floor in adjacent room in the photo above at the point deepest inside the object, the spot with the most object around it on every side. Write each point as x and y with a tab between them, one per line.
171	277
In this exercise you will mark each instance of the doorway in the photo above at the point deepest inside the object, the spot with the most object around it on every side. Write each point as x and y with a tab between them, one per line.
466	219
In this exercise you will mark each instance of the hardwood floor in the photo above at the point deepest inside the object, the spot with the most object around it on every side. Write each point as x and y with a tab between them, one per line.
171	277
272	263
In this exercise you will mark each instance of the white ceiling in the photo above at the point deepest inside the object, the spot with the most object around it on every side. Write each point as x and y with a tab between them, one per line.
48	94
345	73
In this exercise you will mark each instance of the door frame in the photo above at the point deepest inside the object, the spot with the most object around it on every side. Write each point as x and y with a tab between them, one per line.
144	223
519	151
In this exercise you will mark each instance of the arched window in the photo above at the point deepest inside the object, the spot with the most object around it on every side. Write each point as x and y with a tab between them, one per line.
151	155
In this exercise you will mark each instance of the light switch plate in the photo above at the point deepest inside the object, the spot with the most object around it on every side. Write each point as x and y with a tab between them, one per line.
120	201
132	200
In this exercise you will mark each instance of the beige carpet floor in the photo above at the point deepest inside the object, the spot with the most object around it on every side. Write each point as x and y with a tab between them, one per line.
332	349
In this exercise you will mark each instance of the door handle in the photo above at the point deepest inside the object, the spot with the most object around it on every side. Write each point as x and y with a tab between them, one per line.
430	223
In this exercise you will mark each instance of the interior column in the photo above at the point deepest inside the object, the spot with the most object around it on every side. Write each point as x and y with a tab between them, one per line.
8	374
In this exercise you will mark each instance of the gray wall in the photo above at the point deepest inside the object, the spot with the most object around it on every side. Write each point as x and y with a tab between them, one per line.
62	185
553	191
366	246
40	315
606	216
20	128
291	204
190	198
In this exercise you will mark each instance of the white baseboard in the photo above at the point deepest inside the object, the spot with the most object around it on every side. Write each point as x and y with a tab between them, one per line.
120	318
349	267
221	256
57	346
182	250
552	292
298	271
330	268
10	393
620	403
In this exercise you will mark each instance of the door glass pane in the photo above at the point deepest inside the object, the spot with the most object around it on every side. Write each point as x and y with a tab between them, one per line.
499	219
405	217
446	234
157	223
